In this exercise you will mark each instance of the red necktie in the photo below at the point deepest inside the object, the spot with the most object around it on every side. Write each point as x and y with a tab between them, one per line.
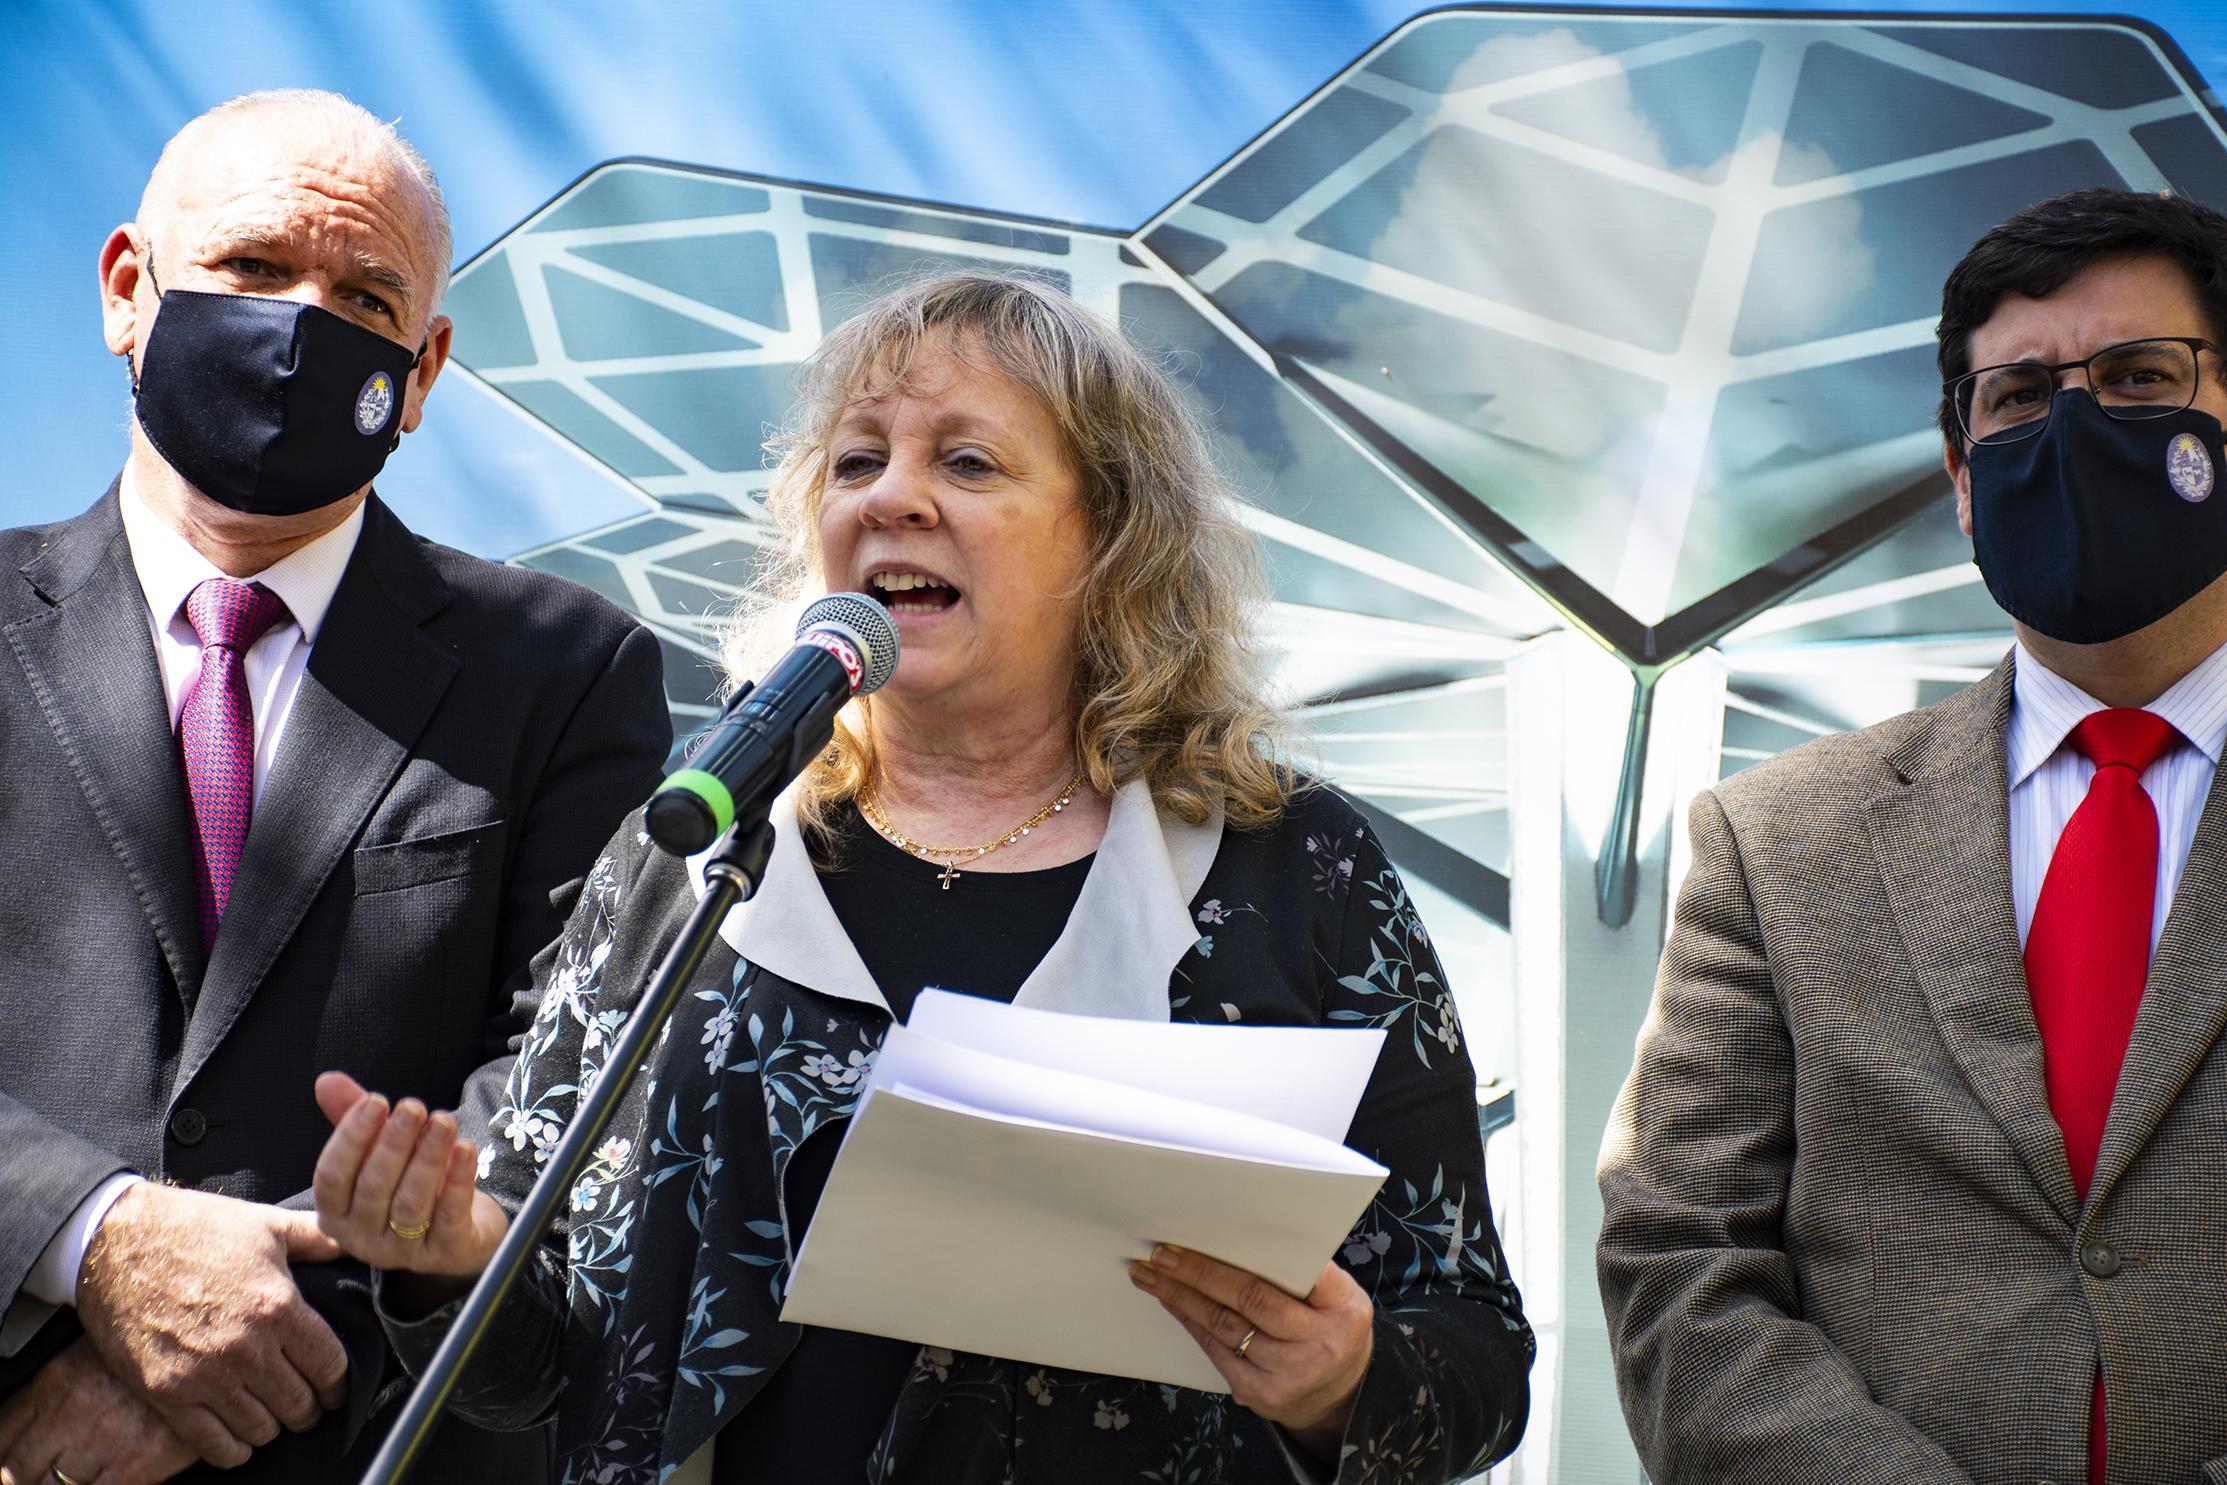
216	732
2088	951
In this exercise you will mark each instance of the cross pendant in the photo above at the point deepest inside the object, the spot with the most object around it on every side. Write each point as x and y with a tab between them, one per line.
948	873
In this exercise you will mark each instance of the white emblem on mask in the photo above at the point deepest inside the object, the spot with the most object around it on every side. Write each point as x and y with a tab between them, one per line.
375	404
2188	465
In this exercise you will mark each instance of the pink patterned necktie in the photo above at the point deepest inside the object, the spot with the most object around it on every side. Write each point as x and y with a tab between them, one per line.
216	732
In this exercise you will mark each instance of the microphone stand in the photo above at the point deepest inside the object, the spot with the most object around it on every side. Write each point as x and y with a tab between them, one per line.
730	877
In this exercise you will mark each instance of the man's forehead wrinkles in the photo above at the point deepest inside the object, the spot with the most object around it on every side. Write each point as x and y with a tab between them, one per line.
2069	340
309	199
376	187
303	197
320	236
374	190
319	228
2037	330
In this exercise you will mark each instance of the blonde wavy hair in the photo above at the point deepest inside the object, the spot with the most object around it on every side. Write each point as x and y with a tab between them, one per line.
1170	680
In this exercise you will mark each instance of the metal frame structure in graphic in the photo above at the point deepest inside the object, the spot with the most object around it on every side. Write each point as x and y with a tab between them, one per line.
1576	365
1765	177
1495	326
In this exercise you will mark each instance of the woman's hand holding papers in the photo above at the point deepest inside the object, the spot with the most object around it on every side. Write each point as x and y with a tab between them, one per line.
1296	1362
397	1188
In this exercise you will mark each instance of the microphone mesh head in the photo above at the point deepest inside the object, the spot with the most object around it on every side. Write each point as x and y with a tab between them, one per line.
866	624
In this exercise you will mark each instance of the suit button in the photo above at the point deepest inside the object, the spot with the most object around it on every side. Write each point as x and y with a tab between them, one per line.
2101	1260
187	1126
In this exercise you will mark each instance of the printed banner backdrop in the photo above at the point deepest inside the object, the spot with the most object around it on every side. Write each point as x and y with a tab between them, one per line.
1577	362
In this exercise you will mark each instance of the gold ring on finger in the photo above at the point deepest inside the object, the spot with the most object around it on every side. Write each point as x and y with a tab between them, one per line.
1245	1343
410	1234
61	1479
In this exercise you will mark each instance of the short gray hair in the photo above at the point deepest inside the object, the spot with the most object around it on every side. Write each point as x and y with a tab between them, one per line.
343	115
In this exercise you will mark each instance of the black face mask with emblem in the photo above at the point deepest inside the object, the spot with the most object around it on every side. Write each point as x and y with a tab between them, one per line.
269	406
2096	527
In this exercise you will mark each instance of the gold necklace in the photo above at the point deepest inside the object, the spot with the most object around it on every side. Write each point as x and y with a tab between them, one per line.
868	807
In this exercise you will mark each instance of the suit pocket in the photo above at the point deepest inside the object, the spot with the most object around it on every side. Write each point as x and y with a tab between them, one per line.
429	858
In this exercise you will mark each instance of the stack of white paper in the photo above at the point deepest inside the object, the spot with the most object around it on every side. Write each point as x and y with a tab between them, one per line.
1005	1166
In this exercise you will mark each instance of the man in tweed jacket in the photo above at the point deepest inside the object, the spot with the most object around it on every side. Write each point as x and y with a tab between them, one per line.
1842	1239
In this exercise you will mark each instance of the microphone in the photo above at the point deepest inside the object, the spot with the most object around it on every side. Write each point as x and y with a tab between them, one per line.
770	732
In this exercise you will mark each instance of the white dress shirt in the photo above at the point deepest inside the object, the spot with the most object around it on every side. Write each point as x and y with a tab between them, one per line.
169	569
2049	777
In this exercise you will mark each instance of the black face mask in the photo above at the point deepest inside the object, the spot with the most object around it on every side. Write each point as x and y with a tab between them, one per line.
2094	527
267	405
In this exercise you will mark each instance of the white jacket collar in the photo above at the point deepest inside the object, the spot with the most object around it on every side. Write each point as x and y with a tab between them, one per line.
1129	929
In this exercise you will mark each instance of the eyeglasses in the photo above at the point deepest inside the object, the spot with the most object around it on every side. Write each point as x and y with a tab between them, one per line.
2133	380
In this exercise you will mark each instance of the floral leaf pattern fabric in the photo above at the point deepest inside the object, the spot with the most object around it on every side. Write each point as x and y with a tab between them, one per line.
651	1318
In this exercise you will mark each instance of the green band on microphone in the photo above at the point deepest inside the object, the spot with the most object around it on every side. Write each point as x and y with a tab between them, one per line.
707	787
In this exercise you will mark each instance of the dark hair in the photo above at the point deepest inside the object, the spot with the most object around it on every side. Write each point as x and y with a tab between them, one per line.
2039	250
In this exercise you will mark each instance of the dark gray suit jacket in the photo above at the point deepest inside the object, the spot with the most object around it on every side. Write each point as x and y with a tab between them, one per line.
465	738
1841	1241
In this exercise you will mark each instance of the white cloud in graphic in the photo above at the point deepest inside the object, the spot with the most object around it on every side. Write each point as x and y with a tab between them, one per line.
1815	262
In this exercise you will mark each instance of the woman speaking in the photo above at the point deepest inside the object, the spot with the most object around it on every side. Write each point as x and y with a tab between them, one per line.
1071	783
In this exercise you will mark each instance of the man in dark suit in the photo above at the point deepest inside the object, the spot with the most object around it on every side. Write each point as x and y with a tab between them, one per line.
287	789
1916	1177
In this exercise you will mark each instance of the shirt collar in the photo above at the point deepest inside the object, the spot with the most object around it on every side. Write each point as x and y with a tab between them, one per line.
2045	707
1130	926
170	569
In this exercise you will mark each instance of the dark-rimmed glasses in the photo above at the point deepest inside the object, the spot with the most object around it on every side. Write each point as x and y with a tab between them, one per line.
2132	380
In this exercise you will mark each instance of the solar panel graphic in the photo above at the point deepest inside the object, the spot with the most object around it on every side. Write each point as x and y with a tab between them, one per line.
1528	320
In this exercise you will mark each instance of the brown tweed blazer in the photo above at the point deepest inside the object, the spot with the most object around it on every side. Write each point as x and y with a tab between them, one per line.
1840	1240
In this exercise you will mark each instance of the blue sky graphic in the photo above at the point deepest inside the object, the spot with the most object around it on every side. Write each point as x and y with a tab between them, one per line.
1096	112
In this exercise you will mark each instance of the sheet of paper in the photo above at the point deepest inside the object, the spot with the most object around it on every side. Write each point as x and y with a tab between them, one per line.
1006	1086
1303	1076
1007	1238
1005	1166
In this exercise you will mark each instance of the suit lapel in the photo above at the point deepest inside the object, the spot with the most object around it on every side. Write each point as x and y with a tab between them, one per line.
1942	842
371	685
2184	1004
91	664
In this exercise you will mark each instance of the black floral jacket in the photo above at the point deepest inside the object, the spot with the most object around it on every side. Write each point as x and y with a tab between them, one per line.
650	1319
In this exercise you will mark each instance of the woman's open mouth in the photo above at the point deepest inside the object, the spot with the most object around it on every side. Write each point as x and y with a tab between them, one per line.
910	592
